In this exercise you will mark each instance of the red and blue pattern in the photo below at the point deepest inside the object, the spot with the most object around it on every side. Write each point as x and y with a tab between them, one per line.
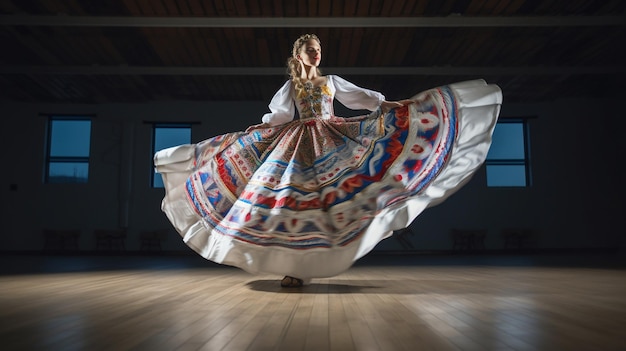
317	183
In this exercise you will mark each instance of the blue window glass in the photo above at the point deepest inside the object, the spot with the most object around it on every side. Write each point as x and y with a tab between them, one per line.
68	150
168	135
507	162
508	139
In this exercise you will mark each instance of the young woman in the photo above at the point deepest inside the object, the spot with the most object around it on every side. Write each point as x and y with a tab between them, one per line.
305	198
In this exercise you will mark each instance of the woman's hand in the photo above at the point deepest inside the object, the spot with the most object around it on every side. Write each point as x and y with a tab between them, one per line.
388	105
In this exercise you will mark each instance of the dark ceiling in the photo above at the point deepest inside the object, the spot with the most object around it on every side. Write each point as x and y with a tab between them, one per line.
85	51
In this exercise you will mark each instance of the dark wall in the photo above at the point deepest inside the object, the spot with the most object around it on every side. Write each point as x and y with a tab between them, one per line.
576	200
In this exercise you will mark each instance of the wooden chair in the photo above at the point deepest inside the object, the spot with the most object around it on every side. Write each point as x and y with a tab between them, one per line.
468	239
61	240
110	240
118	239
518	239
402	237
151	240
461	239
478	239
102	240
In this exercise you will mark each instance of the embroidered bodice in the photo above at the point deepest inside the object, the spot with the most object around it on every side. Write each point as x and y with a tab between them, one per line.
317	101
314	101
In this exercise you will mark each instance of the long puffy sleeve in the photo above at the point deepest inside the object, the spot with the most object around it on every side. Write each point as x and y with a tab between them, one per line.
282	107
355	97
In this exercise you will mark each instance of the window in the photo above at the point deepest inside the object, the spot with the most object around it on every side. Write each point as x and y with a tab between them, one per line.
68	149
507	161
167	135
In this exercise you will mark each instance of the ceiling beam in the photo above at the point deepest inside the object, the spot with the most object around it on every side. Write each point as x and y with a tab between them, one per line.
311	22
279	71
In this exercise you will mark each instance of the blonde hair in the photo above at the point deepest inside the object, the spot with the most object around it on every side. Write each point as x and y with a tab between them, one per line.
294	68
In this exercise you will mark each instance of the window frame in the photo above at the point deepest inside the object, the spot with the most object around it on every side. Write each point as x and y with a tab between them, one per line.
49	159
525	161
155	125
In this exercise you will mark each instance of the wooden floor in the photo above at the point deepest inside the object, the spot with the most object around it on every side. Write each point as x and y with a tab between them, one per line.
86	303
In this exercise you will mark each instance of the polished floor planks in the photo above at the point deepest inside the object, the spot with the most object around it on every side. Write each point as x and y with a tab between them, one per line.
370	307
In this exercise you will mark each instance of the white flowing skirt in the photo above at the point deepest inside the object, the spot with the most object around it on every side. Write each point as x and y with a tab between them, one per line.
310	197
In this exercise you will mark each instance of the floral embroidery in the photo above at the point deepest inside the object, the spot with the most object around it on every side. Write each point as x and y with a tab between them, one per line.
312	100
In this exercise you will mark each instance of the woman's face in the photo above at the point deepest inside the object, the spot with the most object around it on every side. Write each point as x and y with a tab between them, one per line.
311	53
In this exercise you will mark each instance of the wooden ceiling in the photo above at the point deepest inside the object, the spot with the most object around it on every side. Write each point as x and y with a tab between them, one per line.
85	51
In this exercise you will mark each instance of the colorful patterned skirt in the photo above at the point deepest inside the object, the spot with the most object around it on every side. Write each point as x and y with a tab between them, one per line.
310	197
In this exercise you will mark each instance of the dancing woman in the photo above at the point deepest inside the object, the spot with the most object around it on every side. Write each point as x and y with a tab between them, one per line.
306	197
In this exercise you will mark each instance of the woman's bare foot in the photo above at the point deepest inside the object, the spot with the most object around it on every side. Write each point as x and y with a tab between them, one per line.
291	282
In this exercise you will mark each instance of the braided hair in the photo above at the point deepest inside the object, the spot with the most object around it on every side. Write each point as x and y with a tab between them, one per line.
294	68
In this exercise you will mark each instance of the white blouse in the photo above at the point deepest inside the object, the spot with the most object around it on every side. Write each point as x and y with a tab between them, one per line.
350	95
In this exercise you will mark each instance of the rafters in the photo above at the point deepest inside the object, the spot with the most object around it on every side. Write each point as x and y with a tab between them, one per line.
277	71
236	50
307	22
